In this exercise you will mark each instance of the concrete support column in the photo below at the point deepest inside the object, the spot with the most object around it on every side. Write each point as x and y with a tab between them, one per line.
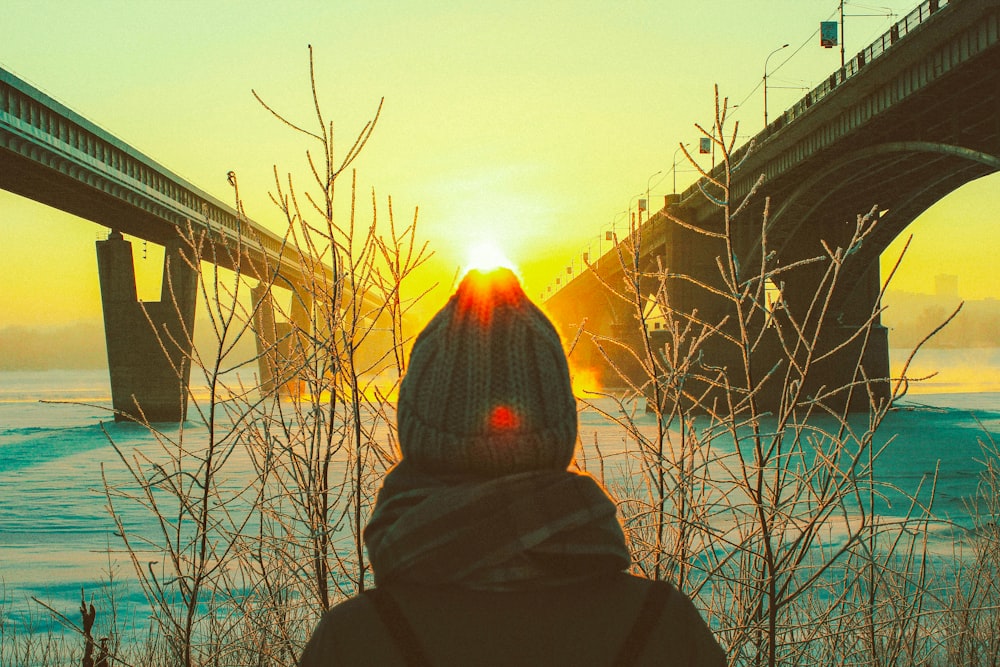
272	339
281	346
149	344
301	308
692	263
593	308
625	329
866	356
696	256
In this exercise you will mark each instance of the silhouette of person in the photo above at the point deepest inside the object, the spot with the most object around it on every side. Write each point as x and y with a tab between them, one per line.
486	549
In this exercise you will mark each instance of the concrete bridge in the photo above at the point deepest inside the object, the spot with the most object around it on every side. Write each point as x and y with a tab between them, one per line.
910	118
52	155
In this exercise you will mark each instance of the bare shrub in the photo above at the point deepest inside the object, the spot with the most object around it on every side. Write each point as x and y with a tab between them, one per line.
766	513
246	555
759	494
973	587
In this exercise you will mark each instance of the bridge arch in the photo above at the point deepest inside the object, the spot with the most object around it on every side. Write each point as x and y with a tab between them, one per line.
815	192
902	178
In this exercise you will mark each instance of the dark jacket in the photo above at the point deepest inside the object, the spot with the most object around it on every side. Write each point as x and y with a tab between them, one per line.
582	624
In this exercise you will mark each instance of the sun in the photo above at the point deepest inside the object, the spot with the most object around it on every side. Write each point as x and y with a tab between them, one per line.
486	256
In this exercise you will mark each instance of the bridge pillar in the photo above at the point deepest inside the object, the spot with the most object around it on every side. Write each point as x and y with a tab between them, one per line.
693	273
149	344
693	289
267	333
586	322
281	346
623	327
862	363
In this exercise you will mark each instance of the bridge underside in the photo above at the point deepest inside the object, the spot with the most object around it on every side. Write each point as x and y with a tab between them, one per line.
52	155
48	178
897	163
150	345
676	264
68	187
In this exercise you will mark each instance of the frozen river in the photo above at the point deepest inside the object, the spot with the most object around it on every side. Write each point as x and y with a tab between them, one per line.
56	535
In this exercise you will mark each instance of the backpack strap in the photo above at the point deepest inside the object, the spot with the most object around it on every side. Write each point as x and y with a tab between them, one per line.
649	616
399	628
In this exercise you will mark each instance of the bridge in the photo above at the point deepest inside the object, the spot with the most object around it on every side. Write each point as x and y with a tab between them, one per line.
910	118
53	155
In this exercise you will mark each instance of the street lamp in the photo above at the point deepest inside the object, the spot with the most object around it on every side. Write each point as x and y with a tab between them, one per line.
630	219
674	168
765	79
647	191
609	235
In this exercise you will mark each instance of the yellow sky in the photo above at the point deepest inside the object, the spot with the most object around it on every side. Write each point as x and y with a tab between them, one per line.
536	122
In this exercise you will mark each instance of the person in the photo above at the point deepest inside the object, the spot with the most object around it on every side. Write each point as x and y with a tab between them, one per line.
485	548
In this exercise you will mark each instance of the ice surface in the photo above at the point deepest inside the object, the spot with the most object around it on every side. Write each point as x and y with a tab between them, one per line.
55	532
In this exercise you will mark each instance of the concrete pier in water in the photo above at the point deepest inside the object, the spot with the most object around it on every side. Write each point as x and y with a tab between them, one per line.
149	343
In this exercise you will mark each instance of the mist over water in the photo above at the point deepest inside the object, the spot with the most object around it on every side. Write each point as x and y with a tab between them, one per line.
963	370
56	534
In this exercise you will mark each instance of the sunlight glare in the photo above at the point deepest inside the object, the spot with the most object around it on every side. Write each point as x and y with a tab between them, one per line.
486	256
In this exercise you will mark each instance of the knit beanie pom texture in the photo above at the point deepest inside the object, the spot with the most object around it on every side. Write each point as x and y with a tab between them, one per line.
487	390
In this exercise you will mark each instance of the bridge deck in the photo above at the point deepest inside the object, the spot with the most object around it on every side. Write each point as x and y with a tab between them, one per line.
929	85
53	155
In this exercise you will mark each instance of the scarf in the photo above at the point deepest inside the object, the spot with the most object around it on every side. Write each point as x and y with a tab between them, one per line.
507	533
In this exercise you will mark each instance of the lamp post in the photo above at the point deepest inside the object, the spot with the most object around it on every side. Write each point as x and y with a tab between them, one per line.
674	168
765	79
630	218
609	235
841	34
647	191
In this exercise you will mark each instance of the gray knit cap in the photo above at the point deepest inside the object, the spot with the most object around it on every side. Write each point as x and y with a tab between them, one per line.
487	391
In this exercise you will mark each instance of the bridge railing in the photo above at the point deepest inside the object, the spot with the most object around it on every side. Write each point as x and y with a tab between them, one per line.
900	29
918	16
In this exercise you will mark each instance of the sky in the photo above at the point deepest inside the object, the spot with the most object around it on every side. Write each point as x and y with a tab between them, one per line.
533	124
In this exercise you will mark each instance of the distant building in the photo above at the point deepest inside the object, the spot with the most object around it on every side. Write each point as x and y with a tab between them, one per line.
946	285
911	316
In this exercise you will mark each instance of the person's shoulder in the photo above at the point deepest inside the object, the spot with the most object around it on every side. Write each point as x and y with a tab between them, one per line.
680	630
349	633
351	617
638	588
352	610
674	598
